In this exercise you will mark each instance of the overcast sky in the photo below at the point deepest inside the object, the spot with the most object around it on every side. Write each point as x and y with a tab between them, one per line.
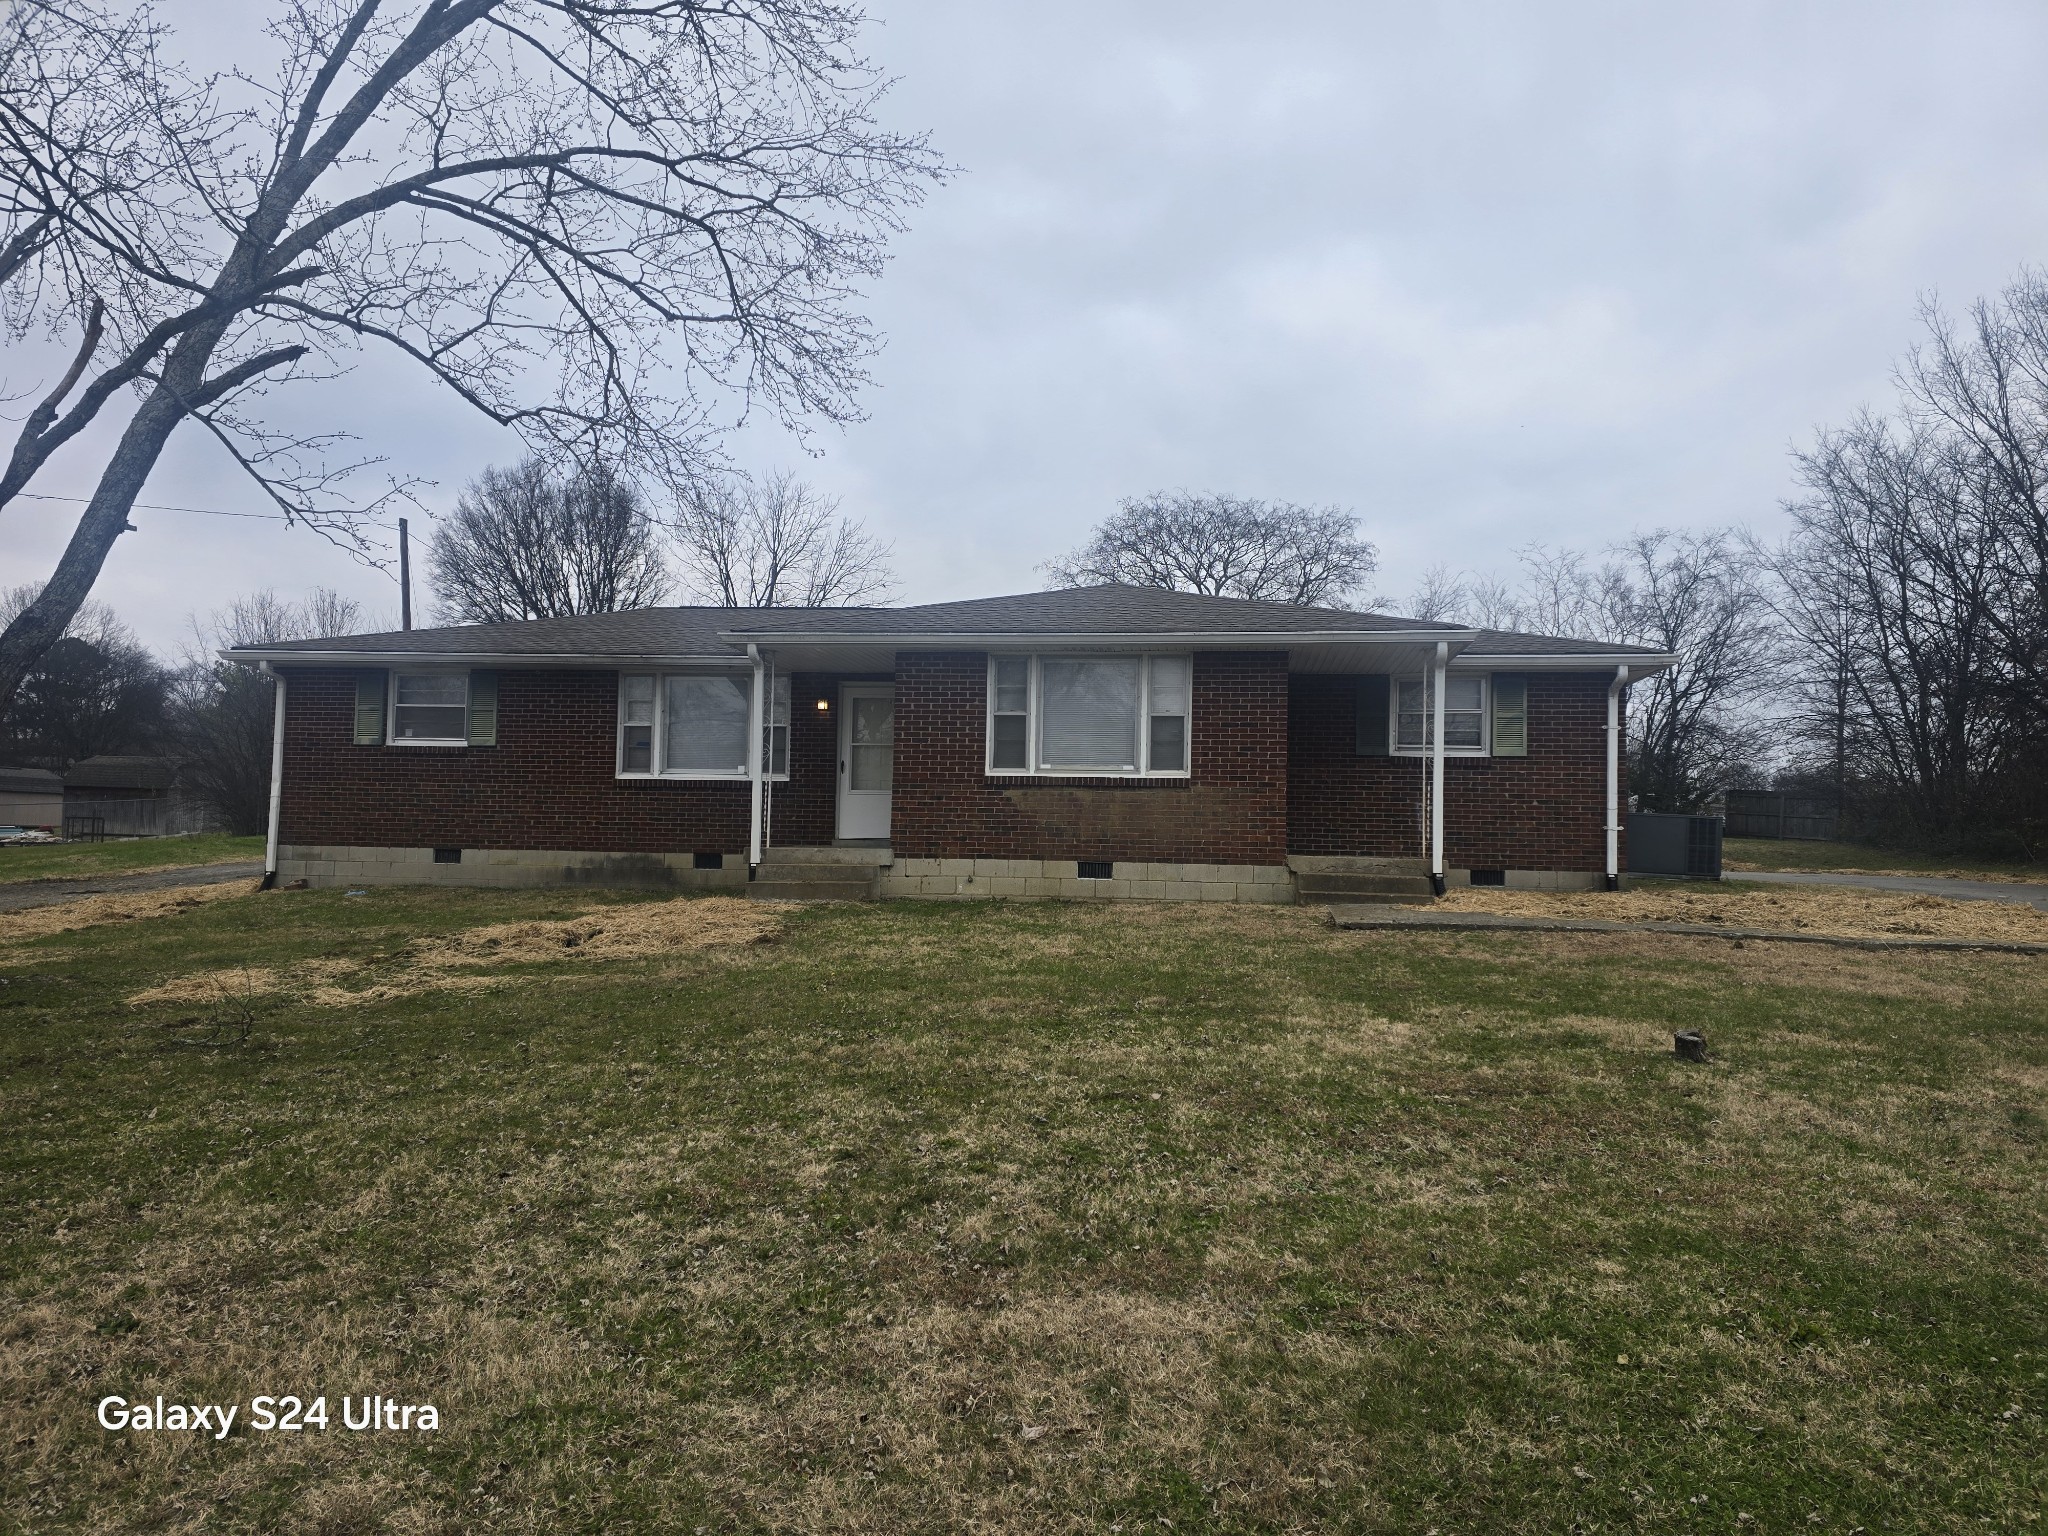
1483	273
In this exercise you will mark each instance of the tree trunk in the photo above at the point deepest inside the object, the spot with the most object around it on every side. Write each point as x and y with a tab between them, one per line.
42	624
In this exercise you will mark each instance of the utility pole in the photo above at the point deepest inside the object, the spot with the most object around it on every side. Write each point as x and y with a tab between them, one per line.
404	577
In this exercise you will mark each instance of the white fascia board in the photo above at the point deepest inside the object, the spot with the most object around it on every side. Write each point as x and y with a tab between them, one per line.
1576	661
580	659
1145	639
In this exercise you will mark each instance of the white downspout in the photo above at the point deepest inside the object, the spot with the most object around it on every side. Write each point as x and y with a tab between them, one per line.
1436	774
1614	777
276	778
754	755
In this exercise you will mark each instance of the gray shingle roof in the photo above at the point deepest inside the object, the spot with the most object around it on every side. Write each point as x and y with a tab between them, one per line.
1109	610
1074	611
109	772
1508	642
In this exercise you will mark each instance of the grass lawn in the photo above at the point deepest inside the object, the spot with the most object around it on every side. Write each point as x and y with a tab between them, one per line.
1024	1218
82	861
1773	853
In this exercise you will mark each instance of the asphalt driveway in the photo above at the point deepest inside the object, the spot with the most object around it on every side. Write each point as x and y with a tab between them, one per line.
19	895
2035	896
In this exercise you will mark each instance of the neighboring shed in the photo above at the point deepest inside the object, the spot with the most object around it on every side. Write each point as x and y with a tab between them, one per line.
31	797
129	797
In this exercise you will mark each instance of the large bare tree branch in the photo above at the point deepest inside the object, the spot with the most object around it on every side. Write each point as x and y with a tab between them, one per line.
597	221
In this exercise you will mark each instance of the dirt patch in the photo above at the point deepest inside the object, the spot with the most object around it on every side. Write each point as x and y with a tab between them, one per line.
438	964
115	907
1817	909
608	933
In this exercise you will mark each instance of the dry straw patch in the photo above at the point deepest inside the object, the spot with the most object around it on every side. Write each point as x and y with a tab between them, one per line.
1815	909
608	933
118	907
434	964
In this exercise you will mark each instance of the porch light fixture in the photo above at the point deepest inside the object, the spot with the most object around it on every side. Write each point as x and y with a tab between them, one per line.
824	703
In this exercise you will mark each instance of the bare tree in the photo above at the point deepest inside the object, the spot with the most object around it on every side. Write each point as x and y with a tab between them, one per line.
525	543
1558	592
1700	595
220	713
1889	585
1444	596
1695	729
590	219
1226	546
777	543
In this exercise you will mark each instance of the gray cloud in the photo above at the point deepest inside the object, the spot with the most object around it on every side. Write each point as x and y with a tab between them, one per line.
1486	273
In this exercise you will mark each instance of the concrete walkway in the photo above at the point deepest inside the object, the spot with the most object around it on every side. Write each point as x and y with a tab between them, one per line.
2035	896
22	894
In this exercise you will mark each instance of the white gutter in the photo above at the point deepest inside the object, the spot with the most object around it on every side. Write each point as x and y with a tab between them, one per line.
754	765
276	780
1640	663
603	660
1436	775
1614	777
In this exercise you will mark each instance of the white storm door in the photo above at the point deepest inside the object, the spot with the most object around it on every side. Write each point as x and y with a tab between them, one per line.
867	757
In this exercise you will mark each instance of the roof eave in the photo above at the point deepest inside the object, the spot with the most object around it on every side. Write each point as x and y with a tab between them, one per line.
337	657
1566	661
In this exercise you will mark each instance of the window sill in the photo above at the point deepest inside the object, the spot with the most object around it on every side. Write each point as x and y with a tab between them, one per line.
427	741
1423	754
698	778
1015	777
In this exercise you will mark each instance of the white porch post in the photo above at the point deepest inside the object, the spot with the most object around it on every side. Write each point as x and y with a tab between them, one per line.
276	778
1614	777
754	764
1436	771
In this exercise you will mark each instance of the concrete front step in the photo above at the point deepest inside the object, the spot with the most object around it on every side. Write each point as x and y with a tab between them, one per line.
1337	886
857	858
821	874
760	889
1354	864
1310	897
1365	885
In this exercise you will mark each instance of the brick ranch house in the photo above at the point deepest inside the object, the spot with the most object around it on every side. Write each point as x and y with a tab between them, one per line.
1099	741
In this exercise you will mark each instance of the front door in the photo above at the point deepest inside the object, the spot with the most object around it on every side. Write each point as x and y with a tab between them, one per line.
867	758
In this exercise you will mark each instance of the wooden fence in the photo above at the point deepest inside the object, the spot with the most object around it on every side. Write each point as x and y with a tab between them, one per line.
1767	813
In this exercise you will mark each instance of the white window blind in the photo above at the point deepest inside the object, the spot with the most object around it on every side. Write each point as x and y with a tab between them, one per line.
705	725
1116	715
778	727
1088	714
431	706
636	725
1010	713
1464	714
1167	709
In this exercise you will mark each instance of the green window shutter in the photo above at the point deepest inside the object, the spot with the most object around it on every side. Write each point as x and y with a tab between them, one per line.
483	709
1510	715
370	688
1373	695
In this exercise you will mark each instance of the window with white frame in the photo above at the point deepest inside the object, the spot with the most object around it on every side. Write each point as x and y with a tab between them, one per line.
694	725
1122	716
1414	706
430	708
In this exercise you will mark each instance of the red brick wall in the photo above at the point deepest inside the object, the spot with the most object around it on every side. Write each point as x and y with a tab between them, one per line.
549	782
1273	772
1231	809
1544	811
